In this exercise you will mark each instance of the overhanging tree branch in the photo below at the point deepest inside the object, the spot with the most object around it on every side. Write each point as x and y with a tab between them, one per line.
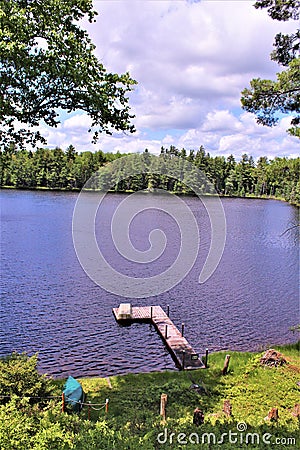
267	98
63	74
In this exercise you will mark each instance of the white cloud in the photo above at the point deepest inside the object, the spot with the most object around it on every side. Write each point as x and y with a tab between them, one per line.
224	134
191	60
222	121
78	122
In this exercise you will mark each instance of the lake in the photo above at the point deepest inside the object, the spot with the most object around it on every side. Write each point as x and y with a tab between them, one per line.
49	305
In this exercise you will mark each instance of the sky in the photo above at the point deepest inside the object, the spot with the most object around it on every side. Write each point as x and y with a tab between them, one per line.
191	60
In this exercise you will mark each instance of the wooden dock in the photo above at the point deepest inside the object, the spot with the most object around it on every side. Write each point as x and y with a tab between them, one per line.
182	352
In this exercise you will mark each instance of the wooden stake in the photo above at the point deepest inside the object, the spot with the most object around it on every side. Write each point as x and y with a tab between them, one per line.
198	417
163	403
273	415
183	359
226	364
206	358
296	411
63	404
227	408
106	405
108	382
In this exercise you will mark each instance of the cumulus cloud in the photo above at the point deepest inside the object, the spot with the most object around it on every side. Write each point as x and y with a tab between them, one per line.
191	60
221	121
78	122
221	133
224	134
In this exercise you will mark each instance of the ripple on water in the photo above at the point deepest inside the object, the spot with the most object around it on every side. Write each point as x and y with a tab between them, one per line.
50	306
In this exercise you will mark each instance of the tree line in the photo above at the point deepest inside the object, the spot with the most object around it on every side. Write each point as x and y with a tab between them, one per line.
58	169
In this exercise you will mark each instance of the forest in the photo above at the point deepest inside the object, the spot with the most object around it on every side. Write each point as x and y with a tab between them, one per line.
70	170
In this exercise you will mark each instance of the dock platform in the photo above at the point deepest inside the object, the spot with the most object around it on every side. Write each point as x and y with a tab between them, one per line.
183	354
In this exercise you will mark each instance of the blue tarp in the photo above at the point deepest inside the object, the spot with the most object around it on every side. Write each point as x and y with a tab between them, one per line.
74	394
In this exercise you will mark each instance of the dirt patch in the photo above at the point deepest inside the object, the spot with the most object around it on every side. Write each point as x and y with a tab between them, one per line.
293	368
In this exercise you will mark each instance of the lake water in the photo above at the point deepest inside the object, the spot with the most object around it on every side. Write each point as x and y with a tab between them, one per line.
49	305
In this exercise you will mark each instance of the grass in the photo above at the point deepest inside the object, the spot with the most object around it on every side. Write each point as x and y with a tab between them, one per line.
134	399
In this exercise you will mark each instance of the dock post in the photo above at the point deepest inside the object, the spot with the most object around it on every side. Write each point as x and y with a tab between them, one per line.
226	364
206	358
151	312
183	359
163	403
182	329
166	331
168	310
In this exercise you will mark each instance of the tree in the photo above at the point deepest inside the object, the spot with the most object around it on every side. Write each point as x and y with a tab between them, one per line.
268	98
262	176
48	64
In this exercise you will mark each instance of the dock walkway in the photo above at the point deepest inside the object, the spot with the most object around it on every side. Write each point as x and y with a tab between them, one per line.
182	352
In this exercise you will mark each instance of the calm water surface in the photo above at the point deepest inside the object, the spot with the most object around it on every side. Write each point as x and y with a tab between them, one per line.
49	305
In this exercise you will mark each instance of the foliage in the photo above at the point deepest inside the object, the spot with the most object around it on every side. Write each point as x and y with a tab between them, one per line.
267	98
55	169
280	9
48	64
133	419
19	377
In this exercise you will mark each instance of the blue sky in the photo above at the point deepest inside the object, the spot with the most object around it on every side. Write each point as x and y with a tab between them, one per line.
191	61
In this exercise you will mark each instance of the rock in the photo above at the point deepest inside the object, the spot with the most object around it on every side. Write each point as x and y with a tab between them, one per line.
272	358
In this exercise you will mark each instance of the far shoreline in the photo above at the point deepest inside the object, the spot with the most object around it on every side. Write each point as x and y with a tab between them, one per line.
145	192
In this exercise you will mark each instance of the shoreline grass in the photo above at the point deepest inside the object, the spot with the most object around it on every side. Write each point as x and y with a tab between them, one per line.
251	389
133	419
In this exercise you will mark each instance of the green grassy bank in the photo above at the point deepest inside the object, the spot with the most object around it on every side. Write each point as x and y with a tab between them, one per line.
133	420
134	402
251	389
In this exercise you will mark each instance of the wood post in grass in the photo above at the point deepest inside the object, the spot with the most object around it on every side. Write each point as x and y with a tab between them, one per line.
206	358
273	415
227	408
163	404
106	405
63	403
296	410
226	364
198	417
